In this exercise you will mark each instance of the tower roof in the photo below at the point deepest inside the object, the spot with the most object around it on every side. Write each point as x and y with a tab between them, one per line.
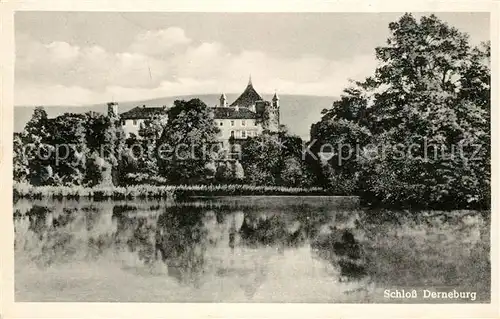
275	97
248	97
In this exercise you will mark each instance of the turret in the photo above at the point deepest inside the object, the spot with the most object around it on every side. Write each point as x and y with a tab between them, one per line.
272	122
276	100
113	109
223	100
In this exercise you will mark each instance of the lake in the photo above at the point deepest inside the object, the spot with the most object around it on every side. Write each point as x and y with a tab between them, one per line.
244	249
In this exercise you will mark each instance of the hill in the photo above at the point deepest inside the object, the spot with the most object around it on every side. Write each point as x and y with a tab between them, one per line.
298	112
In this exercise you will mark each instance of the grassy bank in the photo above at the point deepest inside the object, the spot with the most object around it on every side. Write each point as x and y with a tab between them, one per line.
149	191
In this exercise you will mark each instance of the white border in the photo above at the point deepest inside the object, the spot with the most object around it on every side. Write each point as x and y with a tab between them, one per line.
11	309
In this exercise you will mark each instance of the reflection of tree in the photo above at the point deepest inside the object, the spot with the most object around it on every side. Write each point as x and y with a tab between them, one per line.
181	241
47	238
37	217
300	224
272	230
59	231
341	248
311	220
136	232
264	230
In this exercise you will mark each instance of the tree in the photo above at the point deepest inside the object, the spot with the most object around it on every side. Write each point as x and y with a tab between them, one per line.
267	155
239	172
224	172
39	150
339	135
186	143
35	131
430	92
96	125
292	173
98	171
210	171
68	136
150	131
19	160
261	155
106	137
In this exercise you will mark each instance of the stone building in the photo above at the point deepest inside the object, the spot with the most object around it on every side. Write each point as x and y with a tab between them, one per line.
247	116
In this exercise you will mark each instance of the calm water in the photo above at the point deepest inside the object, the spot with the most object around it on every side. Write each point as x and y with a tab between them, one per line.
226	250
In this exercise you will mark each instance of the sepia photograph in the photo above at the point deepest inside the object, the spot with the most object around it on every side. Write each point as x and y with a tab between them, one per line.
252	157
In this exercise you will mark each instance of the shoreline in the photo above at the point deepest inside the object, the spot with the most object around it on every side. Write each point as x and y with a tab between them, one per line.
27	191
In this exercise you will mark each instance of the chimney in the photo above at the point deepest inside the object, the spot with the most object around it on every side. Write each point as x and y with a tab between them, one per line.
252	108
237	107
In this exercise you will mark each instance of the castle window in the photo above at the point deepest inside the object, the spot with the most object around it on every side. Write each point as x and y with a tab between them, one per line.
134	122
232	123
243	123
232	134
243	134
221	123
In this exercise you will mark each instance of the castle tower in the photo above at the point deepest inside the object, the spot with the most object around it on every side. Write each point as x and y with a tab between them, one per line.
273	114
113	109
223	100
276	100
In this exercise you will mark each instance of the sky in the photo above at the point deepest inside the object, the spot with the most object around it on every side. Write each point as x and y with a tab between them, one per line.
81	58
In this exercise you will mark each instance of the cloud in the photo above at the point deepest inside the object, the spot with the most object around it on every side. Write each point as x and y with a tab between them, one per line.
62	51
159	42
165	63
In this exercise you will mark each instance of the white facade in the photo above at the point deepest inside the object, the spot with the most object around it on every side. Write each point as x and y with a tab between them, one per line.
238	128
132	126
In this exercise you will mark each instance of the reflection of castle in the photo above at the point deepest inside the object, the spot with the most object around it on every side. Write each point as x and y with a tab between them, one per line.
246	117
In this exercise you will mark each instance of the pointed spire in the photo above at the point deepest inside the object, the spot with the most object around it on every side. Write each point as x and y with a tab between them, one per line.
223	100
248	97
275	97
250	80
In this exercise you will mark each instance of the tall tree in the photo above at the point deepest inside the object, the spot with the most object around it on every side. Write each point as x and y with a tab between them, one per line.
186	144
68	136
426	113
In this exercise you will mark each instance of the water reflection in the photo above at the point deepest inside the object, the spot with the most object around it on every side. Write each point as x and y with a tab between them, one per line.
191	242
228	251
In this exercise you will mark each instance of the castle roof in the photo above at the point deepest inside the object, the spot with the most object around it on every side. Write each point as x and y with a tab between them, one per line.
233	113
248	97
143	112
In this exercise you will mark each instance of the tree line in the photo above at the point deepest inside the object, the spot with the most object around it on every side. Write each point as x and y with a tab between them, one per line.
416	133
91	149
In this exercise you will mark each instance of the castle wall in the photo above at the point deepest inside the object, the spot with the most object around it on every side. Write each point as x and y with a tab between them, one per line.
131	126
242	128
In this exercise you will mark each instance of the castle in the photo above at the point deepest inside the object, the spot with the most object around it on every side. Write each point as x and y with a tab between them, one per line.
249	115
